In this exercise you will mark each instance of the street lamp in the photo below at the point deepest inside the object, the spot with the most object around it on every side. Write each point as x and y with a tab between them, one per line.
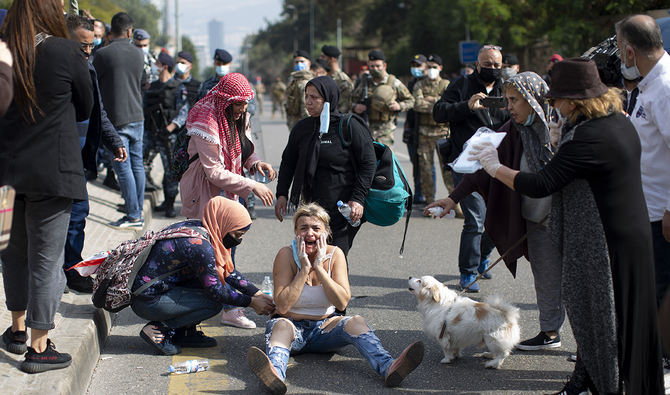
295	25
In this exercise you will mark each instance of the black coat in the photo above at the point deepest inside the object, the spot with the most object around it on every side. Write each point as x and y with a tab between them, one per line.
453	108
44	157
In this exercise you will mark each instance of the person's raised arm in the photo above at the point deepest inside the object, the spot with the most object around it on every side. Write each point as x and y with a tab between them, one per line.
287	288
452	106
336	285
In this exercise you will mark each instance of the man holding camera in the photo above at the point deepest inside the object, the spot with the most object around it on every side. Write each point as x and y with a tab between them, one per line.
460	106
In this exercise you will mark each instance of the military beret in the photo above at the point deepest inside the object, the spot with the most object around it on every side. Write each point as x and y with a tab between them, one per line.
331	51
508	58
435	58
302	53
376	55
186	56
223	56
323	64
141	34
166	60
420	59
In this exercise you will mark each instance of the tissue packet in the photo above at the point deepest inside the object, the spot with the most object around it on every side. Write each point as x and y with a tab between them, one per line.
465	166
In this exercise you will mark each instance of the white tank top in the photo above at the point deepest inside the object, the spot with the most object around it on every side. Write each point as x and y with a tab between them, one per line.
313	299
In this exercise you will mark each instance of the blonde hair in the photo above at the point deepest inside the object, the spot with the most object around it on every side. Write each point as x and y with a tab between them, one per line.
597	107
311	210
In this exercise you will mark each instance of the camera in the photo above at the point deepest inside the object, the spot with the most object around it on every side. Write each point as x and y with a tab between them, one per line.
606	56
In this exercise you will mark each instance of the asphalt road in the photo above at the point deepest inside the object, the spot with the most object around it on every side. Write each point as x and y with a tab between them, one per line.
378	277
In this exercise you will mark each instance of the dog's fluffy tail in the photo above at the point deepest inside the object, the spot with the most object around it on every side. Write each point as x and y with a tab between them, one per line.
511	312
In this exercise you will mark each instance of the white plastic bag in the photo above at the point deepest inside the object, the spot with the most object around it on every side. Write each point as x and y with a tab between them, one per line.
466	166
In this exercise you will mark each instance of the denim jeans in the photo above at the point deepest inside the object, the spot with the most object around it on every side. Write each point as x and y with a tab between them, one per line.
74	244
131	172
661	260
476	245
311	338
179	307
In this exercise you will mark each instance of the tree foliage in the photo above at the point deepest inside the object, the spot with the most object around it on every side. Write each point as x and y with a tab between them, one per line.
188	46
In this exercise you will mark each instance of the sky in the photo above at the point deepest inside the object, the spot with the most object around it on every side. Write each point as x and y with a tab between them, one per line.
240	17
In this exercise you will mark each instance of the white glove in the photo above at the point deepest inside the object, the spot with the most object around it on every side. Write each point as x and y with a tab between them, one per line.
555	131
487	154
300	242
322	248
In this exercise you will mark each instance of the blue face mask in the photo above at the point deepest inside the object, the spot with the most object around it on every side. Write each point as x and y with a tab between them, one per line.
97	41
416	72
530	119
300	66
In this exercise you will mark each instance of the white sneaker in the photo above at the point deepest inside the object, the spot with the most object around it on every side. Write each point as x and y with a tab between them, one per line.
236	318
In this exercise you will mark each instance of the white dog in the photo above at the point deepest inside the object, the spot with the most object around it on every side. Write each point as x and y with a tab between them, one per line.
457	322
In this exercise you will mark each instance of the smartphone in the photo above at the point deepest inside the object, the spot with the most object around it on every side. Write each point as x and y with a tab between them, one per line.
493	102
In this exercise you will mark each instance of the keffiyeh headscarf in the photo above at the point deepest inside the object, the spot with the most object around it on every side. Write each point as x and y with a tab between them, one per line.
207	118
535	139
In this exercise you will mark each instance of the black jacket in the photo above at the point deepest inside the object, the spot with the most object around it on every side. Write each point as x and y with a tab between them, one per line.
44	157
453	108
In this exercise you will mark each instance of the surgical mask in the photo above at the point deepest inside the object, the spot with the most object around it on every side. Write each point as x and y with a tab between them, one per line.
155	70
489	74
508	73
181	69
300	66
229	241
530	119
561	117
145	50
97	41
416	72
630	73
433	73
222	70
376	74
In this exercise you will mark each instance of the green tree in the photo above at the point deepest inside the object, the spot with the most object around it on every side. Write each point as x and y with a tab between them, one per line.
188	46
144	13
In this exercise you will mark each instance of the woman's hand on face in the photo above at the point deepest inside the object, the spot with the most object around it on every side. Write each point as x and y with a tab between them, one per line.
555	131
356	210
266	169
264	193
447	205
280	208
302	254
321	249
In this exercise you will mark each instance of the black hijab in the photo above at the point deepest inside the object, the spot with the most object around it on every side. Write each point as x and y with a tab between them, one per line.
309	156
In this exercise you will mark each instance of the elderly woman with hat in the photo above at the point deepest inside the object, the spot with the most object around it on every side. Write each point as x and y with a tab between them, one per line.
599	222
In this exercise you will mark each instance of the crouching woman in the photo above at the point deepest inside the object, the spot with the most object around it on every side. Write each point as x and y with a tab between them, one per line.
311	282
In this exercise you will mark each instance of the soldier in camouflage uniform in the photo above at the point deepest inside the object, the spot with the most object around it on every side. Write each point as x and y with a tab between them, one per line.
260	92
222	60
426	93
387	96
330	54
294	99
278	91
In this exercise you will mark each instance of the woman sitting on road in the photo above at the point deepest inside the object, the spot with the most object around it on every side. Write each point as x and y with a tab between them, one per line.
178	303
311	281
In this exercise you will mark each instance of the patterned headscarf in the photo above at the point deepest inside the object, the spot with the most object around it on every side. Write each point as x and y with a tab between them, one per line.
535	140
220	217
207	119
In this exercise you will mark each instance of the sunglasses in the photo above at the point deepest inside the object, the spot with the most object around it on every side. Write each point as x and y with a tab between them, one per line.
492	47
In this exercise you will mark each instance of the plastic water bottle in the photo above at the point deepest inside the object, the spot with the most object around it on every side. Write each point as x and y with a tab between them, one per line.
346	212
262	179
268	286
192	366
437	210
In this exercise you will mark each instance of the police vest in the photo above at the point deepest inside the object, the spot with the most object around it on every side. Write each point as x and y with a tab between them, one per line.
425	118
161	103
379	112
192	91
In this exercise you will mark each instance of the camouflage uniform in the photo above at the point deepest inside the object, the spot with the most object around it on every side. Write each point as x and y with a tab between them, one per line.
429	132
260	91
383	124
294	98
278	97
346	90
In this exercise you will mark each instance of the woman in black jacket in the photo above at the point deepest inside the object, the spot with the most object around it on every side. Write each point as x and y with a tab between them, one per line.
321	168
40	157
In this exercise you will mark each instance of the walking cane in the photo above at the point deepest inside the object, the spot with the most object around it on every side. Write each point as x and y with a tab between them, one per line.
506	253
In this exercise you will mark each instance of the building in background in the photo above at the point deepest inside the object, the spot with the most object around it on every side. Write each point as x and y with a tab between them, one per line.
215	30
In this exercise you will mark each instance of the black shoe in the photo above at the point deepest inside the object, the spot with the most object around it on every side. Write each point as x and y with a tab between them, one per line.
165	347
91	175
540	342
15	342
170	212
50	359
252	213
79	283
110	181
570	389
191	337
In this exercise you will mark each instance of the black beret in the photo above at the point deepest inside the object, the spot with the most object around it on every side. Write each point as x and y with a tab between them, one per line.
323	64
331	51
166	60
418	58
435	58
140	34
223	56
186	56
302	53
508	58
376	55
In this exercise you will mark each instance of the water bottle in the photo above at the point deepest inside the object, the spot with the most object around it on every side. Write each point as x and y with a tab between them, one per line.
268	286
346	212
262	179
437	210
192	366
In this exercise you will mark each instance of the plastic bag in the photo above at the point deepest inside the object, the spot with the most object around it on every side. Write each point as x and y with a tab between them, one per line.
466	166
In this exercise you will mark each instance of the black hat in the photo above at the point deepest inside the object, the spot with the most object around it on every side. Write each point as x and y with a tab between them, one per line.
376	55
331	51
166	60
510	59
186	56
141	34
322	63
576	78
418	58
223	56
435	58
302	53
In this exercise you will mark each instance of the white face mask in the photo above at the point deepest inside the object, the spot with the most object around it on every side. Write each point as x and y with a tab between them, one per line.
561	117
145	50
433	73
155	70
508	73
181	69
630	73
222	70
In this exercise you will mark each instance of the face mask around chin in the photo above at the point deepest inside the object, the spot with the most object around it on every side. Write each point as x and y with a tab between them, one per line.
222	70
630	73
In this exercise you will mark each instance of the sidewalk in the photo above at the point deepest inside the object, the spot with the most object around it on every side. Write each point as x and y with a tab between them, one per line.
81	329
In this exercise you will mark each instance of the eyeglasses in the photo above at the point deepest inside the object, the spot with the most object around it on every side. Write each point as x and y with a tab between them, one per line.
85	46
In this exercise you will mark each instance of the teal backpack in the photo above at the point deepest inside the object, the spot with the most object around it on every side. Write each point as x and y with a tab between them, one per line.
390	195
